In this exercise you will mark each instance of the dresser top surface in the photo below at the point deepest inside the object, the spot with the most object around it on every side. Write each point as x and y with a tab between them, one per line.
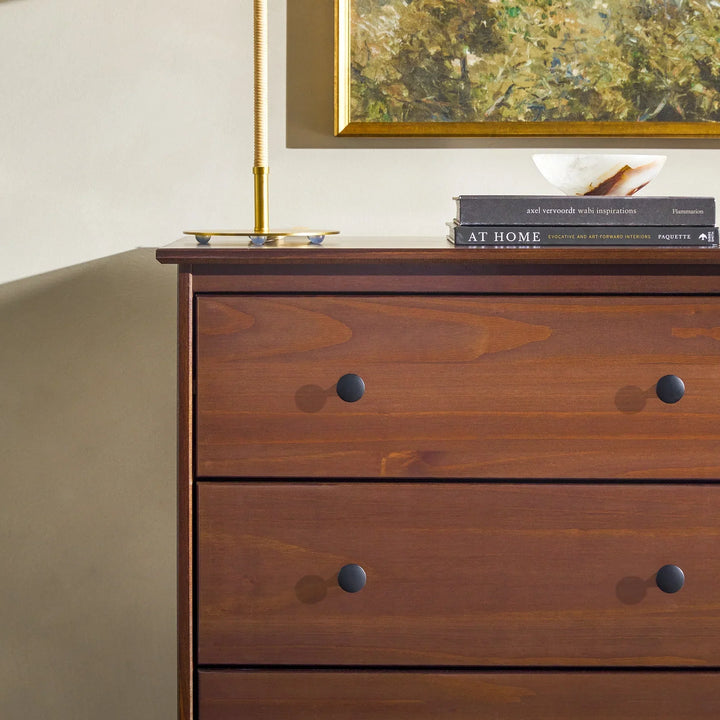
339	249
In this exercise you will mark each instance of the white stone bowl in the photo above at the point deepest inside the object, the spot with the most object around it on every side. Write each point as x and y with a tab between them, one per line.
599	174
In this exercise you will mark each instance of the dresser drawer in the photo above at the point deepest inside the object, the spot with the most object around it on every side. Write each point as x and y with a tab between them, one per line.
256	695
458	574
457	387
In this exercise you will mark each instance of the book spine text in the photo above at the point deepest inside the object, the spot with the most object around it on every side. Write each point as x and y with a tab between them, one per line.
570	210
581	235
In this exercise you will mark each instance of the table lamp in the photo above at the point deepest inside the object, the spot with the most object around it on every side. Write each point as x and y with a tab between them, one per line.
261	233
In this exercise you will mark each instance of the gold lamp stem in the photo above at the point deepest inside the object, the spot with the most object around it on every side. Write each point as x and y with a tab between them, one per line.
262	232
262	215
260	167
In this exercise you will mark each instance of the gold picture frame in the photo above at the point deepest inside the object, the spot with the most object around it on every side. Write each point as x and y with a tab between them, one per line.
552	93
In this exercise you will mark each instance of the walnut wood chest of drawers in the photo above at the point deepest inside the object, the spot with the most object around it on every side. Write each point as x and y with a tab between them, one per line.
418	481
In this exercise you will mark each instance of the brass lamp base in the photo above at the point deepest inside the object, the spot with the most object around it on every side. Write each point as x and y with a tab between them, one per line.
260	237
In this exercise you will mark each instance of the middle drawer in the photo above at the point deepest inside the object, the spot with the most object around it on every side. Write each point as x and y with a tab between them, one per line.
457	574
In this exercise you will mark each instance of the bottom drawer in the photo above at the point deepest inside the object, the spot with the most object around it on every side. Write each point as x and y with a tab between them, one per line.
344	695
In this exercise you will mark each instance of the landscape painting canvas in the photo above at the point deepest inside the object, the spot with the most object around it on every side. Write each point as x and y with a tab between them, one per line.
528	67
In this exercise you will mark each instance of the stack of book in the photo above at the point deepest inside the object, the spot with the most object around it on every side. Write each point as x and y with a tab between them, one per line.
587	220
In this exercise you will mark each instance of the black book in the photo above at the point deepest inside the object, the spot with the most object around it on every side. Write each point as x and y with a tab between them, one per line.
582	235
583	210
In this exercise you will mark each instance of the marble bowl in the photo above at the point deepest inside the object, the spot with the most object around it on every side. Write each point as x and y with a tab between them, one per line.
599	174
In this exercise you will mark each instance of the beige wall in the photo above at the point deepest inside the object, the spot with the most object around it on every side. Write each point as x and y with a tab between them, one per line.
122	124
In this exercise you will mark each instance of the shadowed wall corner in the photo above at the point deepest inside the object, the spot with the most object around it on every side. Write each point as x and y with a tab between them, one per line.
87	519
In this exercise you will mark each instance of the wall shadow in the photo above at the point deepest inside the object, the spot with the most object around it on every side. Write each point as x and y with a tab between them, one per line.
310	92
87	519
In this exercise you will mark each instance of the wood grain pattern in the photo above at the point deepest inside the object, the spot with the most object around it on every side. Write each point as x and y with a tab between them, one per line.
477	574
556	278
457	387
255	695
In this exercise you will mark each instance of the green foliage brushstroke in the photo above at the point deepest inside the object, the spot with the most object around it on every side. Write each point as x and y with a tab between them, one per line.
535	60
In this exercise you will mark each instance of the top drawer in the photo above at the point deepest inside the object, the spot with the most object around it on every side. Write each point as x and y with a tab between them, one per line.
457	387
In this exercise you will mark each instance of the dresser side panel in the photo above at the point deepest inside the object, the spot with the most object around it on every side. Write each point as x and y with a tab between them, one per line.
185	510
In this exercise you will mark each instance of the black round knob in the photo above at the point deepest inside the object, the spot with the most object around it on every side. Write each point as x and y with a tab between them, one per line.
670	578
352	578
670	388
350	387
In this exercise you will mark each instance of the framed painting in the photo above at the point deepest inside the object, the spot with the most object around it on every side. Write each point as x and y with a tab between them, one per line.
527	67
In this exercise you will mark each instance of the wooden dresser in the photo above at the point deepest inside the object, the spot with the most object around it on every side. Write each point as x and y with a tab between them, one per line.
419	481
